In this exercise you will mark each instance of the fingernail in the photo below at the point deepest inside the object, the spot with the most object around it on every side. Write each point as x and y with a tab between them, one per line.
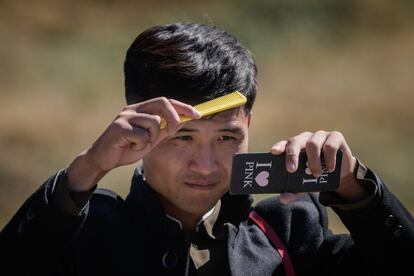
291	166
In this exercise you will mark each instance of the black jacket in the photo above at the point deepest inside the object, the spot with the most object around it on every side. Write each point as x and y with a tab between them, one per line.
112	236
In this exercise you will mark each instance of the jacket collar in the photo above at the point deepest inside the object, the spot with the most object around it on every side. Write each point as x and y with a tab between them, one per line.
229	209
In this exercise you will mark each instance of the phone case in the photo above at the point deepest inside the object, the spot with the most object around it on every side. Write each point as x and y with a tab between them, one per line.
264	173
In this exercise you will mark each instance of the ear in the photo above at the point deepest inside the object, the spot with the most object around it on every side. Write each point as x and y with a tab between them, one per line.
249	118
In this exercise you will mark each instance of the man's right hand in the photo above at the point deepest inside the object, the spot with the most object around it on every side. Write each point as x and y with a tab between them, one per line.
132	135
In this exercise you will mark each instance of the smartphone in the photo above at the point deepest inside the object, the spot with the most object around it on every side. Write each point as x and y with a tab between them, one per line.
265	173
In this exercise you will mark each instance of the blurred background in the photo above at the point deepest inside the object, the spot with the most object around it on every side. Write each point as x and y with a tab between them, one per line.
342	65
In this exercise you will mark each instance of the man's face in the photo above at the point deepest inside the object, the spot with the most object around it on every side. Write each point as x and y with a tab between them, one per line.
191	171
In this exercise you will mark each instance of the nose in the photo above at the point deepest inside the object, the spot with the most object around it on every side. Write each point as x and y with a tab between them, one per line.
204	161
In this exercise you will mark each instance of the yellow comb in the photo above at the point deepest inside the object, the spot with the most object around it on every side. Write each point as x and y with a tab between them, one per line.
216	105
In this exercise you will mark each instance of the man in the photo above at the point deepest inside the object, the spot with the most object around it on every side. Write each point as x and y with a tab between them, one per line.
179	218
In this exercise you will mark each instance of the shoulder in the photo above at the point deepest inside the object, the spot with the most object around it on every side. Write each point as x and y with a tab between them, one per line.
105	205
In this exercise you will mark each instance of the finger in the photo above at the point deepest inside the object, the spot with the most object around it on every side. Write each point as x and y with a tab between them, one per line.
349	162
138	137
150	123
313	151
330	148
162	107
139	129
293	147
169	110
279	147
185	109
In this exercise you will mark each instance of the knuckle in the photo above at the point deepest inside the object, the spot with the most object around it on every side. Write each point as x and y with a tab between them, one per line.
119	125
291	141
337	133
118	120
127	113
172	101
123	112
290	155
164	100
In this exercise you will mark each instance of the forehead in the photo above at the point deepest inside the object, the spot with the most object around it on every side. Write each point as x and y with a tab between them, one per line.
235	117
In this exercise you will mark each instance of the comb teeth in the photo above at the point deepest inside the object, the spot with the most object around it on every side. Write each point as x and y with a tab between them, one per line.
216	105
219	104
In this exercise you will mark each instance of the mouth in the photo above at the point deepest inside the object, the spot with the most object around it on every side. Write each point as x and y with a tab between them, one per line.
201	185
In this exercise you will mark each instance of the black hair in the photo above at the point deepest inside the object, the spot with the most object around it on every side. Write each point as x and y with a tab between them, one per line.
188	62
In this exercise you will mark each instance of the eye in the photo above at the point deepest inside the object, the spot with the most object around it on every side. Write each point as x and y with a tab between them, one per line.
184	138
226	138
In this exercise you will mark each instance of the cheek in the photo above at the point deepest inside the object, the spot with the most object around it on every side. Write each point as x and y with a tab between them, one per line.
163	164
225	155
176	152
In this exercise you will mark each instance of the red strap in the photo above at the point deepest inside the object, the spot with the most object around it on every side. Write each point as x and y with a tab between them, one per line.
277	243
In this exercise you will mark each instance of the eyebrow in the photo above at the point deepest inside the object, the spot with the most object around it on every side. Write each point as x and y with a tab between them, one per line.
235	130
